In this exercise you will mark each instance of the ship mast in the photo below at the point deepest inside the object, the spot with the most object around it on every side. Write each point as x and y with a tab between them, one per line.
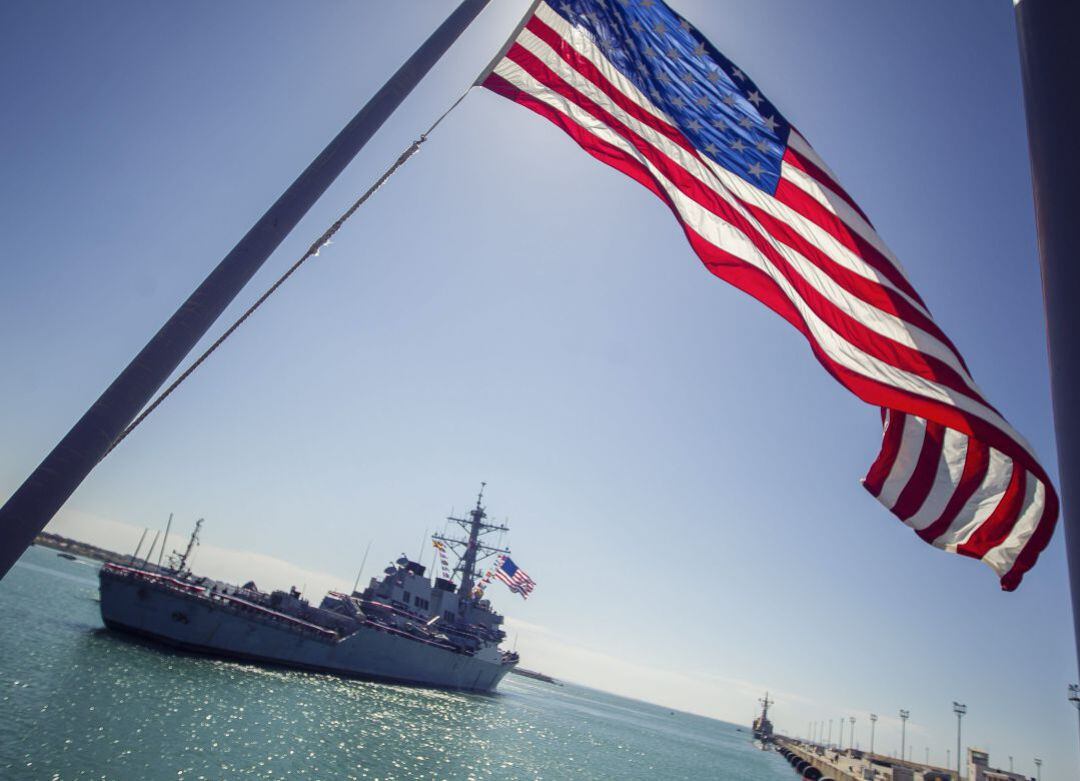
192	542
471	551
765	703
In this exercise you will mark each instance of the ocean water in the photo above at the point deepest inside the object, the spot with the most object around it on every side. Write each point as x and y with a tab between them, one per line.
79	702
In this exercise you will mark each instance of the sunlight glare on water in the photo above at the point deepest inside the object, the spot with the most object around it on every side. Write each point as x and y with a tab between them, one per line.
80	702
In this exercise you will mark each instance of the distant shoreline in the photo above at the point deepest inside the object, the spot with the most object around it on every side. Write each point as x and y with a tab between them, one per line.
84	549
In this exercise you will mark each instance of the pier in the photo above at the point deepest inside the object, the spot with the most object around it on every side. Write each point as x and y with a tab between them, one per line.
815	762
820	763
809	765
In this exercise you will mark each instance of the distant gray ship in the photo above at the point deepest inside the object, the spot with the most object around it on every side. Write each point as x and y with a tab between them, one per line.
402	627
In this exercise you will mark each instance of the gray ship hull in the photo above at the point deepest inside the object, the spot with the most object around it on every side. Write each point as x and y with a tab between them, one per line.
195	623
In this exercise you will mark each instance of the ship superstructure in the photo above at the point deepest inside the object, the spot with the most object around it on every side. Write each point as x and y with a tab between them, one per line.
402	627
763	728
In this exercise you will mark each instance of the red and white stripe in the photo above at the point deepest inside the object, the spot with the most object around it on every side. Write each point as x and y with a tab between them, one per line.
950	466
520	583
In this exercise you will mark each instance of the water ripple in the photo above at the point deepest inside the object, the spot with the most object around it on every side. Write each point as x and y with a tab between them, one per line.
83	703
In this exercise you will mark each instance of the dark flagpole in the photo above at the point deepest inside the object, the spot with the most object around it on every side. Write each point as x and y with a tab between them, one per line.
1050	66
56	478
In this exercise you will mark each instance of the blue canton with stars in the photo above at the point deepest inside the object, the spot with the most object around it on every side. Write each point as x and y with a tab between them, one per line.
715	105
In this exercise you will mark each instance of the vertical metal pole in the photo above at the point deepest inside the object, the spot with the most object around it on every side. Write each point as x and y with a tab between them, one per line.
135	555
56	478
1074	696
363	562
903	731
959	716
873	724
153	545
1050	69
165	540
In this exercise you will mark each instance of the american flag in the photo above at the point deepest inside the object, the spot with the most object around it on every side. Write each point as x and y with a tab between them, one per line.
639	88
516	578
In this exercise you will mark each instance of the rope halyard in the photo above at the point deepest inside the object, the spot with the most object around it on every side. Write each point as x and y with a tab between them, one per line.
312	251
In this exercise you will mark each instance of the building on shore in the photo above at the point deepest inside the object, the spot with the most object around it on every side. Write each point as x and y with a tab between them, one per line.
854	765
978	768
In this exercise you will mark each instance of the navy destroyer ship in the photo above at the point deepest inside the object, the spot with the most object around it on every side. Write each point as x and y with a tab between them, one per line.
763	728
403	627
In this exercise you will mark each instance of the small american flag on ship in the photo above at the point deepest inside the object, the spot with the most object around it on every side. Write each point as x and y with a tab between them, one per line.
515	577
640	89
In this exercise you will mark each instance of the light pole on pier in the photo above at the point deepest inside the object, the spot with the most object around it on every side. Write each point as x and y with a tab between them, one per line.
840	740
959	709
1010	763
851	738
829	738
873	723
903	730
948	757
1074	696
1038	769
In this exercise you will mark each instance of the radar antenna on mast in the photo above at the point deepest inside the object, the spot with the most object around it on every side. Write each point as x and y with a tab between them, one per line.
471	551
765	703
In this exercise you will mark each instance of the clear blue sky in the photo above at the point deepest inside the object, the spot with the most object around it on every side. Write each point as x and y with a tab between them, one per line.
680	475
